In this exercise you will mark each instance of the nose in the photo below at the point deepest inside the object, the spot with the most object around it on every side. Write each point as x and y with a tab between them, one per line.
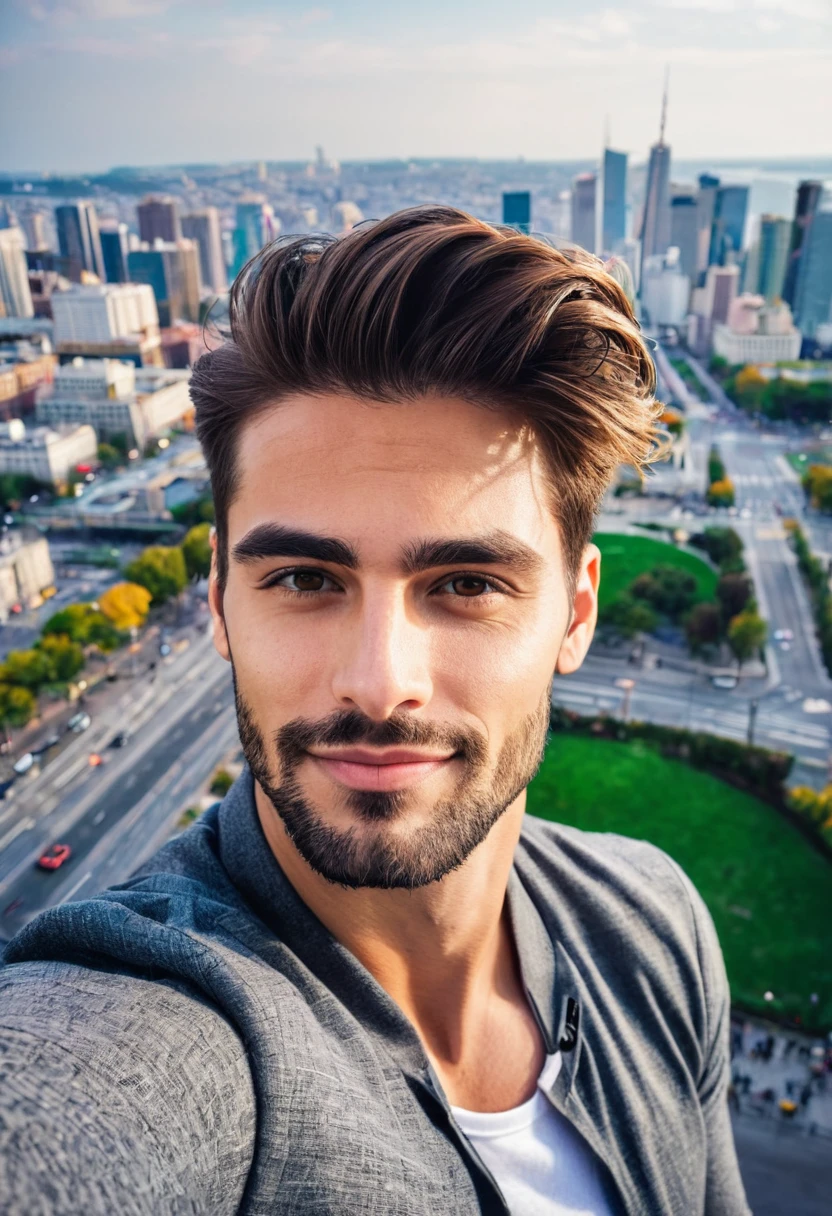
384	659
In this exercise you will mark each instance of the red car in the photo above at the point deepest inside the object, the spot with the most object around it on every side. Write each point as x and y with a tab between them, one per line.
54	856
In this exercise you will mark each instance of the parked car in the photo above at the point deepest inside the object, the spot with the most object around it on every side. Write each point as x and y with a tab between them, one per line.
24	763
52	741
79	722
724	681
54	857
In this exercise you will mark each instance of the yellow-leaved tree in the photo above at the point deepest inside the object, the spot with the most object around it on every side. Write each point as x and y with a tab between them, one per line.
126	605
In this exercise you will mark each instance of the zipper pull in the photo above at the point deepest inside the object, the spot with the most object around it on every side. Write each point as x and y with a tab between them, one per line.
569	1030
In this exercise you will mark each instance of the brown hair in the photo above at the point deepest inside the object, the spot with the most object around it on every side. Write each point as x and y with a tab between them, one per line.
431	300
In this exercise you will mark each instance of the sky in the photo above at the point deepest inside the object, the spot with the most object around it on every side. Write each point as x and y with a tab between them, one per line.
88	84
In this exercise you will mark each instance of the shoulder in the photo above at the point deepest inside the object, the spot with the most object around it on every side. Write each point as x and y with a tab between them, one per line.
119	1093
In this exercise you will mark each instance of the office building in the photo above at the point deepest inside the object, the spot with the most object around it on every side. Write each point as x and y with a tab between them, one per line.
765	266
665	290
204	227
255	227
757	332
813	289
26	570
517	209
34	226
102	313
24	371
614	194
806	201
711	304
655	223
15	294
115	397
584	190
114	249
79	240
45	453
159	219
728	228
684	229
705	203
171	268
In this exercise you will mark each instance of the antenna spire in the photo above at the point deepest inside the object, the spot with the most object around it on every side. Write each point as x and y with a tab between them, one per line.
664	104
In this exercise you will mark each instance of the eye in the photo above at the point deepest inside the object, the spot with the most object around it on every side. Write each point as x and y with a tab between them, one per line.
467	586
302	581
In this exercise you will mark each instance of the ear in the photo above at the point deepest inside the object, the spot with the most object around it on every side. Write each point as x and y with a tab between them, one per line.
584	613
215	603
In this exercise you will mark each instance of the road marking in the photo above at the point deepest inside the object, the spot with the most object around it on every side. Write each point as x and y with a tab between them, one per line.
23	826
66	898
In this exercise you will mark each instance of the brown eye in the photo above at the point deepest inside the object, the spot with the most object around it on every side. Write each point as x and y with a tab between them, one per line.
308	580
469	586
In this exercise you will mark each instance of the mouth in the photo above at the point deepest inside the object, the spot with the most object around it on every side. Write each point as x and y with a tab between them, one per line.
380	770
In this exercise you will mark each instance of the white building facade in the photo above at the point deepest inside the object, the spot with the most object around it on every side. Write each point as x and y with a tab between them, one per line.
47	454
103	312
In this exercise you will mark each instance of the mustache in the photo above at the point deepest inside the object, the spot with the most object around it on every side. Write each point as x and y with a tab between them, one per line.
346	727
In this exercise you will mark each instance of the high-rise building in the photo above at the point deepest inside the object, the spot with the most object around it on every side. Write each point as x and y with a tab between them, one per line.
665	290
78	238
813	290
766	263
584	191
705	201
517	209
33	226
15	294
808	196
171	268
159	218
204	227
684	229
728	228
114	249
255	227
614	194
655	224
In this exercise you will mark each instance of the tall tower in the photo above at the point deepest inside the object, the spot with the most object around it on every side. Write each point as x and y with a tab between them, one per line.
613	211
655	227
79	239
159	218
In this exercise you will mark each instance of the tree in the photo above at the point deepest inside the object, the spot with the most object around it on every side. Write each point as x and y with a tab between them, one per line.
221	782
814	805
721	493
746	634
17	705
668	589
126	605
628	616
65	656
733	592
27	669
750	388
817	482
716	469
109	456
161	569
196	549
722	545
84	624
703	627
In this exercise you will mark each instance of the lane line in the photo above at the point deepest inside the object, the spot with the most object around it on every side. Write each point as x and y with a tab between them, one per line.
66	898
23	826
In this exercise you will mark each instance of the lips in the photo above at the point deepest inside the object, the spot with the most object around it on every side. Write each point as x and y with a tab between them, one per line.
390	769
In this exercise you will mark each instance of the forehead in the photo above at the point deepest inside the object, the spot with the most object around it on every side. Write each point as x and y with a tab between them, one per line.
436	463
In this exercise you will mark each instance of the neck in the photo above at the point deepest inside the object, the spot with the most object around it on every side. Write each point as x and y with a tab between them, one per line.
441	951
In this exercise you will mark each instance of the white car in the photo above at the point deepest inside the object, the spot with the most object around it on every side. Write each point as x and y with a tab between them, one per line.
24	763
724	681
783	635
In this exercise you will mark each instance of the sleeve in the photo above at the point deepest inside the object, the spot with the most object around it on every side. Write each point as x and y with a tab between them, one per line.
118	1094
724	1193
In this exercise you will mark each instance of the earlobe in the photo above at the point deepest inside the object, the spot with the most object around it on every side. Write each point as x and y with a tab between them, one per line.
217	616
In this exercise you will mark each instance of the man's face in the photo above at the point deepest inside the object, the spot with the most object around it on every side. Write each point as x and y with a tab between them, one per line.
395	608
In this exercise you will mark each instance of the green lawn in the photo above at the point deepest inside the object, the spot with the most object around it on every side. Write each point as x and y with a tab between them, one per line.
800	461
769	892
690	378
625	557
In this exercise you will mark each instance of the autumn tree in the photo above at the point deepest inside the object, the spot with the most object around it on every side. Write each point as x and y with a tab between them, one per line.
125	605
161	569
85	624
65	656
746	634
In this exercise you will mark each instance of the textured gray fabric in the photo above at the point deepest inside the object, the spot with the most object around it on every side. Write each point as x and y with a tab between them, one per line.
195	1040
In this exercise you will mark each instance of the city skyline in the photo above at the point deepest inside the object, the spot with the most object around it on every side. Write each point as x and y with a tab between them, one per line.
155	81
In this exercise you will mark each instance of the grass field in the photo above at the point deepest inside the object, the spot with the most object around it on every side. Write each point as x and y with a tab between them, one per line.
625	557
800	461
769	892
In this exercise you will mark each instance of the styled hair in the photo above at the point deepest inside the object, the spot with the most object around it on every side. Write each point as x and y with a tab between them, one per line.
433	301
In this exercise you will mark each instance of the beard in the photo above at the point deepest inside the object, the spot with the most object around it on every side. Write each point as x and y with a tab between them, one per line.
373	853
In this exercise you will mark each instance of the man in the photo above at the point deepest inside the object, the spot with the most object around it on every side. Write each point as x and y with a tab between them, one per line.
366	984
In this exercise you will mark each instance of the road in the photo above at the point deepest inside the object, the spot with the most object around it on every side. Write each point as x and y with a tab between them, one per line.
179	727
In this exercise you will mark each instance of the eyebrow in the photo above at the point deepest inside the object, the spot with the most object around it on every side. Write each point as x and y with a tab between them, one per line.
274	540
496	549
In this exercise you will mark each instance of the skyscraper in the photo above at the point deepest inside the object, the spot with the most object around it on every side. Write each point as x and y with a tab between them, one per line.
517	209
114	248
772	256
813	290
256	226
614	193
684	230
808	196
730	211
78	238
204	227
655	226
15	295
33	226
159	218
705	200
171	268
584	190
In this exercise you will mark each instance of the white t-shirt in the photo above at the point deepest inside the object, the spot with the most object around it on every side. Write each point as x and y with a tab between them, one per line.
540	1163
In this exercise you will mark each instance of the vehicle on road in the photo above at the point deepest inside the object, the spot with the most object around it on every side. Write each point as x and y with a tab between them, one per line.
5	786
783	635
119	739
79	722
96	760
54	857
52	741
24	763
724	681
164	650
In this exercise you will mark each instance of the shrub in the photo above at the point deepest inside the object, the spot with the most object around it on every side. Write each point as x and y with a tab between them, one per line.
161	569
721	492
196	549
628	617
703	627
221	782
